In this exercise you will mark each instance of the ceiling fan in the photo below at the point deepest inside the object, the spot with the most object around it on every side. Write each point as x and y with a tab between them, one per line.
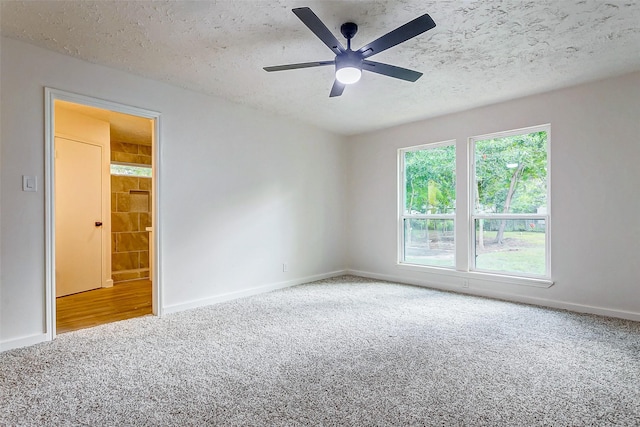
349	64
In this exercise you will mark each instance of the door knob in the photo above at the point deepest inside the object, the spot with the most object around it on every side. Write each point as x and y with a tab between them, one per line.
98	223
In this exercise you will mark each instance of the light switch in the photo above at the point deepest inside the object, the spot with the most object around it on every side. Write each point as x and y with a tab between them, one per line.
29	183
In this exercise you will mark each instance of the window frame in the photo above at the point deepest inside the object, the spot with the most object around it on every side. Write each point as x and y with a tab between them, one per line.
402	216
134	165
473	216
462	273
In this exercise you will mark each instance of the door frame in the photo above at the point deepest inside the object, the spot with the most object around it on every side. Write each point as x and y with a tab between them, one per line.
52	95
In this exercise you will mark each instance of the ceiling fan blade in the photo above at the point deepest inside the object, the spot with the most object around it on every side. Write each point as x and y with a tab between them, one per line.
401	34
314	23
391	71
296	66
337	89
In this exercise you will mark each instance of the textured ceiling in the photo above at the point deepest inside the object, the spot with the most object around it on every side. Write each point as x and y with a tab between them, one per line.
481	51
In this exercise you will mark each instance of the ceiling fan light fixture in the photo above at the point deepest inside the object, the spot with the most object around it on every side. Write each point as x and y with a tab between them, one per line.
348	67
348	75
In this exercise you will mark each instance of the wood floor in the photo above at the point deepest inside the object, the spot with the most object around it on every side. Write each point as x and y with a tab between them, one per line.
104	305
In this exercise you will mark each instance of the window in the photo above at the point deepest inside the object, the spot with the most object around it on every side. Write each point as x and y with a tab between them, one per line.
504	227
130	169
428	205
510	203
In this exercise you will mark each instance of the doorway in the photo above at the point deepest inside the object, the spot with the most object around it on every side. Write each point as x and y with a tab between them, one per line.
99	270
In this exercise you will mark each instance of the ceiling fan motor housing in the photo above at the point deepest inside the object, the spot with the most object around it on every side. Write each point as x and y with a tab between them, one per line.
349	59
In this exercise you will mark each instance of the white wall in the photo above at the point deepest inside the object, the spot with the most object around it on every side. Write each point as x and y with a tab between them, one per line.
242	191
595	174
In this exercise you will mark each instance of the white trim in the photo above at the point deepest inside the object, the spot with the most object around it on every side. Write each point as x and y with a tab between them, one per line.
429	216
49	216
486	276
548	222
517	216
470	236
51	95
512	132
429	145
156	224
23	341
542	302
250	292
400	204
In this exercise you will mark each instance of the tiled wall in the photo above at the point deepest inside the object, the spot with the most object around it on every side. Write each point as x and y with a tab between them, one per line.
130	153
130	215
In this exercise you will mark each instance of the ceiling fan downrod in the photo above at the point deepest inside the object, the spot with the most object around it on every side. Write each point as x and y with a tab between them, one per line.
349	30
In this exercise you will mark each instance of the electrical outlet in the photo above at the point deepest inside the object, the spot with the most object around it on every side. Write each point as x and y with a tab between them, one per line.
285	268
465	283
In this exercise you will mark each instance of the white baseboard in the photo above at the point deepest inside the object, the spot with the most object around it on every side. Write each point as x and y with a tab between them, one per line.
23	342
544	302
248	292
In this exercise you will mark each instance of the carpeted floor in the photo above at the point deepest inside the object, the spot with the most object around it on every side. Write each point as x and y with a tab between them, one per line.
345	351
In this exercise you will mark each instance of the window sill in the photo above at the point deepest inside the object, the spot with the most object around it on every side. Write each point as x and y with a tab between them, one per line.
480	276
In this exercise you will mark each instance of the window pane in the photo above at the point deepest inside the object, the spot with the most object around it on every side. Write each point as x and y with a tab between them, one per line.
511	174
511	246
131	170
429	242
430	180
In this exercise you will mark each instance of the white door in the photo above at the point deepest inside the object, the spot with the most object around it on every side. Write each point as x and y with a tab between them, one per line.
78	216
